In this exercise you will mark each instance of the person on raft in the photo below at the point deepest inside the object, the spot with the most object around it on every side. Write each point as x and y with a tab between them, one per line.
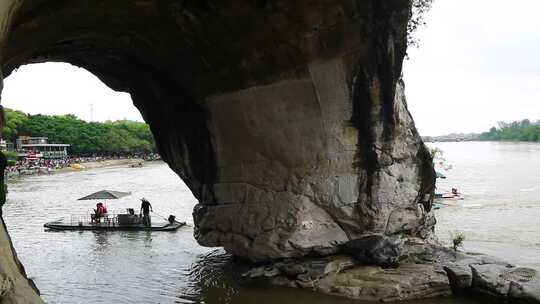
99	212
146	207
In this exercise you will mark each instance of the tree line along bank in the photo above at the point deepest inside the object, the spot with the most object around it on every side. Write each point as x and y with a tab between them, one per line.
85	138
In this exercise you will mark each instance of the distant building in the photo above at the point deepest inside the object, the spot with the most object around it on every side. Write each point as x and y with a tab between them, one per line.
39	147
452	137
6	146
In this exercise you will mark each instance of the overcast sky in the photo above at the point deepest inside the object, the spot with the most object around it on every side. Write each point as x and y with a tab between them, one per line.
478	63
60	88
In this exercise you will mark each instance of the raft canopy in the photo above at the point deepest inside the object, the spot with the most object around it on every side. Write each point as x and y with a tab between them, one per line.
105	195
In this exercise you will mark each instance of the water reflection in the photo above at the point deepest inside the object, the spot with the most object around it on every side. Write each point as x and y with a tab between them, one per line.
102	241
210	279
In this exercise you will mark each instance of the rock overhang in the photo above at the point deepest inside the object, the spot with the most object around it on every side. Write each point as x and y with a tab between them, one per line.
286	119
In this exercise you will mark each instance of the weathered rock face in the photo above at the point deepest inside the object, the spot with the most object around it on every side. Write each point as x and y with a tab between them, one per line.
286	119
305	187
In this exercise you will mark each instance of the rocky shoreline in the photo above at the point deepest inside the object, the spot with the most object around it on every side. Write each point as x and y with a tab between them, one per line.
424	270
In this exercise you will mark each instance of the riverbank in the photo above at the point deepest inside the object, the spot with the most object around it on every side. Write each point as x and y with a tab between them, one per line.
128	162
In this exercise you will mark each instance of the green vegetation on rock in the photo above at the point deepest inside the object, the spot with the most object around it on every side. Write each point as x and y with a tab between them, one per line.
458	238
121	136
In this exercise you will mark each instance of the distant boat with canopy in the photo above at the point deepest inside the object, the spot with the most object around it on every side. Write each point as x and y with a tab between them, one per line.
101	219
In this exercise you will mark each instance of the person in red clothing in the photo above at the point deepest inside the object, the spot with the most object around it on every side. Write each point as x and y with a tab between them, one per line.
100	211
104	209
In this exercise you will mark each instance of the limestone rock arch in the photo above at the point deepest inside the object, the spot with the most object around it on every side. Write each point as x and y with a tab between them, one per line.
286	119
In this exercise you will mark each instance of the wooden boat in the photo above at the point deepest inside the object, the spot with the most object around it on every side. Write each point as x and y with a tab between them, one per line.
448	196
452	195
112	226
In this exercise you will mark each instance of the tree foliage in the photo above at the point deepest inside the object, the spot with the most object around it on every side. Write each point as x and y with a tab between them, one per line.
14	120
84	137
11	157
416	21
523	130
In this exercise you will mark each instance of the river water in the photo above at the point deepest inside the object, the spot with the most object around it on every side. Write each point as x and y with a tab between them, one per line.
501	211
500	216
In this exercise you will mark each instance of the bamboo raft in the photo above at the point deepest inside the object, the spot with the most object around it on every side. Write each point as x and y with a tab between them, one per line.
112	226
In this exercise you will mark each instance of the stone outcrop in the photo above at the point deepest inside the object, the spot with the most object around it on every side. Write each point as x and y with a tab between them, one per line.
518	284
15	288
375	249
425	271
286	119
336	199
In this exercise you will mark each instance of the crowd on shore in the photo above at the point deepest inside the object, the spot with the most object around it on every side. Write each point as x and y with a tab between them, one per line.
26	166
